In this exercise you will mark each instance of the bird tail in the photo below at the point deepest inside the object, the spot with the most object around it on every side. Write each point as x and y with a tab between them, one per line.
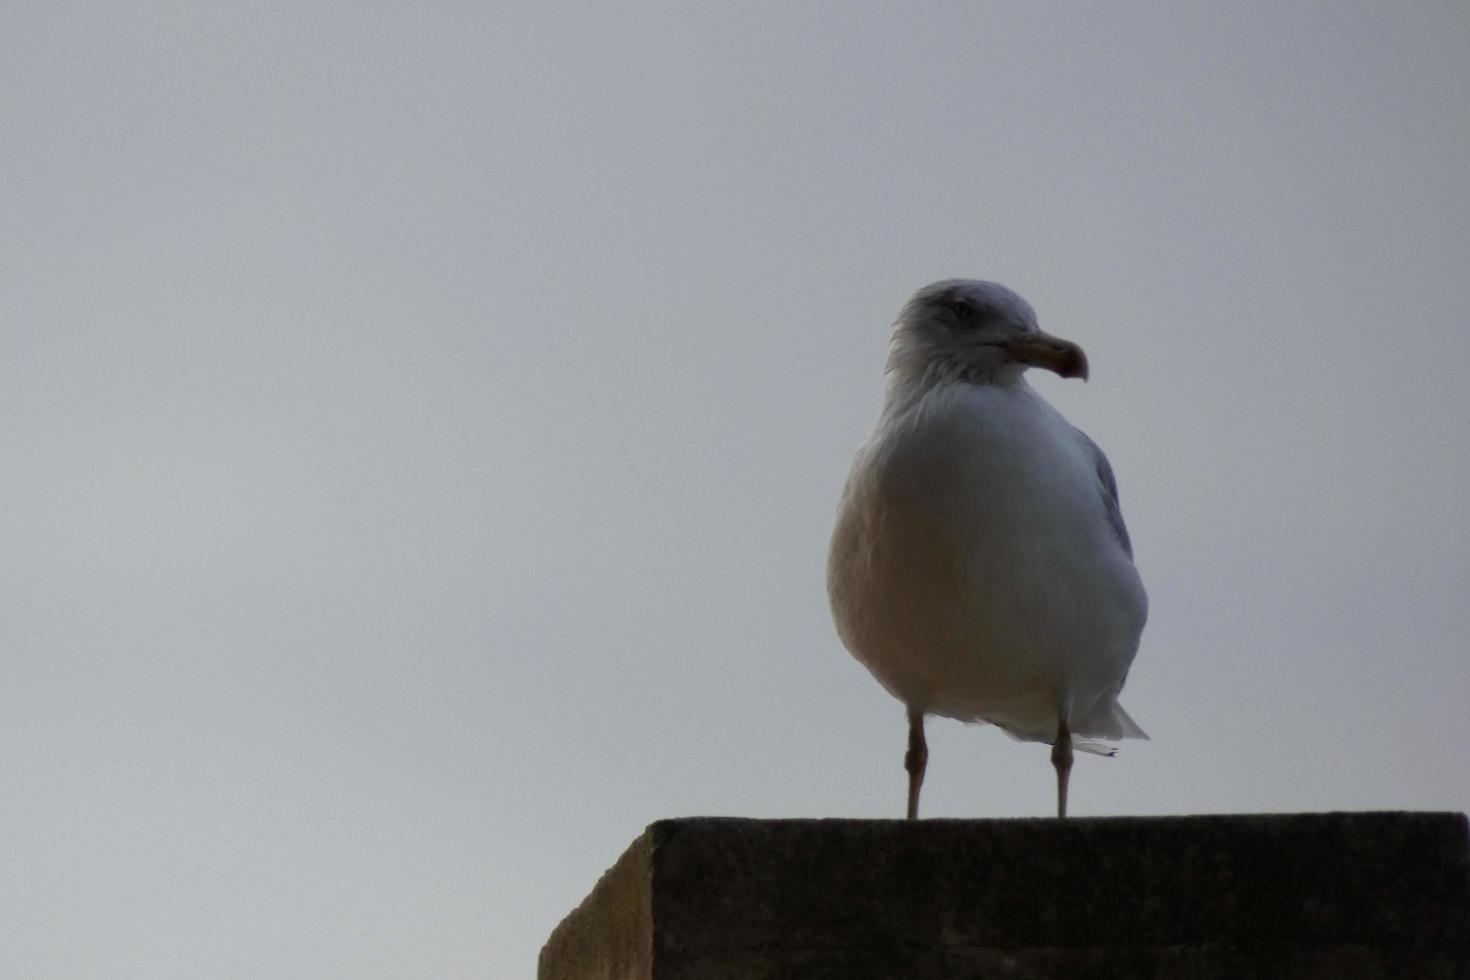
1105	722
1129	726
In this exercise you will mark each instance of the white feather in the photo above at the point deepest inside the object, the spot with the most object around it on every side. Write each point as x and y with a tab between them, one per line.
974	569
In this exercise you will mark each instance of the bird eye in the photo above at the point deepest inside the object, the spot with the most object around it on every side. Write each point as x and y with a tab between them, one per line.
961	308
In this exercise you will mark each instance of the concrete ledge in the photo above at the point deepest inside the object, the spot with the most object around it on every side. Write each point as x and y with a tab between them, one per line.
1343	895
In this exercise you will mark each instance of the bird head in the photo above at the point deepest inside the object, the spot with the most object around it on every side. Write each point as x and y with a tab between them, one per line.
974	331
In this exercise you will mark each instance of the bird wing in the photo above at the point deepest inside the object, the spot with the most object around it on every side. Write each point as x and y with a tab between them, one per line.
1109	487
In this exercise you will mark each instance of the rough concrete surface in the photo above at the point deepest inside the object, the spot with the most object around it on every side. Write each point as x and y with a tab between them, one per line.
1343	895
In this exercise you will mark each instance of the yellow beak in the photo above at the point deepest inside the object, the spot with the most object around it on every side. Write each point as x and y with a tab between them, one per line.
1053	353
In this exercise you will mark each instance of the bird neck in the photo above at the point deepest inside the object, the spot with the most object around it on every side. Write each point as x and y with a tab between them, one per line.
909	382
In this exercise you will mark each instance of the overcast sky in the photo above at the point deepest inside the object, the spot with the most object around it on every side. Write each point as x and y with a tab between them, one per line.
424	425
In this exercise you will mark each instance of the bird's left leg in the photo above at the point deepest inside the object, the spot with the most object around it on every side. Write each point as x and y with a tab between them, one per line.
1061	758
915	759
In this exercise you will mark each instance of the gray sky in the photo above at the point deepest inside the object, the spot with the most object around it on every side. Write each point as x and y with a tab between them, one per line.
424	428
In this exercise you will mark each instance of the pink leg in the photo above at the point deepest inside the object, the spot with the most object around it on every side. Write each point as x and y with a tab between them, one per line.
915	760
1061	758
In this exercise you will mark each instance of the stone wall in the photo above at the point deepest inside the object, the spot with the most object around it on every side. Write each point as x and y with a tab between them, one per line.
1340	895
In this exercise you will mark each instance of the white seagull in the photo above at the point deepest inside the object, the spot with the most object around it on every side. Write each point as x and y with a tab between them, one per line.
980	567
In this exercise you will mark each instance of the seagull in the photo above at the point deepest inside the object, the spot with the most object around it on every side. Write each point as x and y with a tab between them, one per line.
980	567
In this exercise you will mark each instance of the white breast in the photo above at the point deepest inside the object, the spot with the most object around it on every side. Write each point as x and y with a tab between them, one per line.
974	571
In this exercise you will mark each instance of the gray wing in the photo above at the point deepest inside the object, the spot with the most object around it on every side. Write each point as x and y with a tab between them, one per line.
1109	490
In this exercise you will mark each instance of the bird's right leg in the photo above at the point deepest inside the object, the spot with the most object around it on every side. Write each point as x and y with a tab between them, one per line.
1061	759
915	760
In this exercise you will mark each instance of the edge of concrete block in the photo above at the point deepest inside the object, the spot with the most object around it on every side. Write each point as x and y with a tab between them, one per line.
699	895
613	926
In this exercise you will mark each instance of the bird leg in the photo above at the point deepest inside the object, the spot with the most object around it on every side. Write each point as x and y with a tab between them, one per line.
1061	758
915	760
